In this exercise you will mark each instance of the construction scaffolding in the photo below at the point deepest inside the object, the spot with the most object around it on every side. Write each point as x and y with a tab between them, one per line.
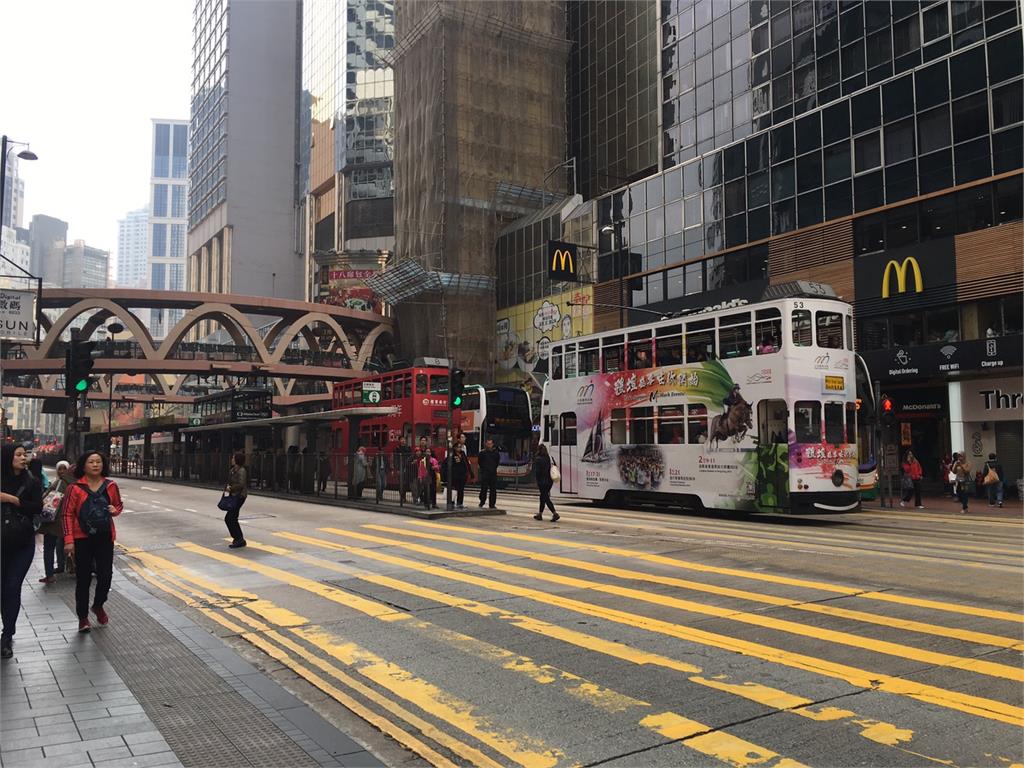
480	105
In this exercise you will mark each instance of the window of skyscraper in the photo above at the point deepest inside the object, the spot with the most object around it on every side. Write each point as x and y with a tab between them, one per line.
158	240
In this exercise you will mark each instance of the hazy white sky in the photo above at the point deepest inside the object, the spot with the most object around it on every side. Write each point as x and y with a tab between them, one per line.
81	80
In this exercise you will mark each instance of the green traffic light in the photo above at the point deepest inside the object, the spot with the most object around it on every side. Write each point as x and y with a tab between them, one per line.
81	385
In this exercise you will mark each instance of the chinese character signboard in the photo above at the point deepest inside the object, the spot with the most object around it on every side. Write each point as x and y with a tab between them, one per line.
347	288
17	315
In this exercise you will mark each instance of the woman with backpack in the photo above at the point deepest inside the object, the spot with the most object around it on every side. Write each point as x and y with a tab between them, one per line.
90	506
21	499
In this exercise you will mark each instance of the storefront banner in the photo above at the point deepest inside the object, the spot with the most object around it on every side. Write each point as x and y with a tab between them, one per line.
992	399
906	362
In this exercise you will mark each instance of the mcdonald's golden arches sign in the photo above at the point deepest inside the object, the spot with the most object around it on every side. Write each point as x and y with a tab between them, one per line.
563	261
901	270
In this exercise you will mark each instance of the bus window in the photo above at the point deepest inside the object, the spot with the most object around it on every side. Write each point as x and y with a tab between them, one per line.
700	341
669	345
589	357
619	426
670	424
421	383
807	414
641	350
568	428
439	384
849	332
830	329
641	426
851	422
834	431
768	330
802	327
569	361
696	424
611	354
734	335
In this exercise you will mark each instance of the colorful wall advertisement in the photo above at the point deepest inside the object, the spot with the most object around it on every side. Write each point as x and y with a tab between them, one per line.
347	288
524	332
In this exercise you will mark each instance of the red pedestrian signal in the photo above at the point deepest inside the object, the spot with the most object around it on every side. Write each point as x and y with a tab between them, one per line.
888	411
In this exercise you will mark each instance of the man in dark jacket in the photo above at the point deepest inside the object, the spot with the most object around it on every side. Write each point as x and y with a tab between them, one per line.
401	461
995	490
487	463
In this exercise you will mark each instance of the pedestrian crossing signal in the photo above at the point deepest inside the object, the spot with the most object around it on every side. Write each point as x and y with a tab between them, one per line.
888	411
456	388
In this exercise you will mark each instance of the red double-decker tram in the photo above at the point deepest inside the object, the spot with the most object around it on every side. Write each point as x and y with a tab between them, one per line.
419	394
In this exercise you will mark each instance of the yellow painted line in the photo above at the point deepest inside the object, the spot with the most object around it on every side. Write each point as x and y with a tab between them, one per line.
975	705
717	744
519	748
474	756
769	578
967	635
761	694
825	547
899	650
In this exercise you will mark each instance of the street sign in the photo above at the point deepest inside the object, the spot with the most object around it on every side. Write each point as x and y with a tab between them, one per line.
17	315
195	421
371	392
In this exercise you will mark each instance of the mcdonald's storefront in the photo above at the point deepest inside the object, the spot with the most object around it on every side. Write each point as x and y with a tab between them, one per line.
936	354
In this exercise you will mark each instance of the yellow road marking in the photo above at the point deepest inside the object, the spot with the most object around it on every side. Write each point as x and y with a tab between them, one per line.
967	635
518	748
717	744
384	725
899	650
430	698
859	592
975	705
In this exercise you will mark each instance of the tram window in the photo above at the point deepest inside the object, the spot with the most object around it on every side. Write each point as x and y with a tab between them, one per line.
641	426
670	424
556	362
696	424
569	428
802	327
590	357
669	345
387	393
807	414
421	383
768	330
641	350
439	384
830	329
734	335
551	425
849	332
851	422
834	431
569	361
618	423
611	354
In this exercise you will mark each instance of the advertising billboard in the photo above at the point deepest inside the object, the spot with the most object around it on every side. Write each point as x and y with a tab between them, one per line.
524	332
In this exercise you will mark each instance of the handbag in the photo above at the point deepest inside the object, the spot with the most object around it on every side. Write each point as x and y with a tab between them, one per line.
228	503
555	474
951	477
907	484
51	506
991	477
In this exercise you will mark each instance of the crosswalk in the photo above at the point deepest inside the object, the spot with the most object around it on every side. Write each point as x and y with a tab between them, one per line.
500	642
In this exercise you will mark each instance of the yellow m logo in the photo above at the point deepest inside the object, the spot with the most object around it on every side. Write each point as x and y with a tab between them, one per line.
562	256
901	276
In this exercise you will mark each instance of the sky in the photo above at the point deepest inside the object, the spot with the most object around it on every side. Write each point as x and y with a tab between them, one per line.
82	81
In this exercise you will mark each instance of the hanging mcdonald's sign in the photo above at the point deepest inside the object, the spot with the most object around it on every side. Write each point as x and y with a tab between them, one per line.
563	261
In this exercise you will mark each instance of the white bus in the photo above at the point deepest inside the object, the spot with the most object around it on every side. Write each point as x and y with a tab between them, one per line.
501	414
748	407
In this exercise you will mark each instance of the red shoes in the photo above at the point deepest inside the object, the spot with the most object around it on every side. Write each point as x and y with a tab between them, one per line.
83	625
101	616
48	580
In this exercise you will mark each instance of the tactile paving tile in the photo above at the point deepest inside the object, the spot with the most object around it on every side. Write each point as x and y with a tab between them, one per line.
202	718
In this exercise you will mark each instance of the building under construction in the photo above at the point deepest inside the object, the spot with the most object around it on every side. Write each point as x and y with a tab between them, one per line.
480	126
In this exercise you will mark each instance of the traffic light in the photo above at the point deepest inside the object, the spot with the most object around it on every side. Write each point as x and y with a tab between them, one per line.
456	388
78	363
888	409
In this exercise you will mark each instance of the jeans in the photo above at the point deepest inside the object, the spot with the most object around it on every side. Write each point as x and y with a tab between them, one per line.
53	545
93	552
15	561
995	493
231	521
962	495
488	491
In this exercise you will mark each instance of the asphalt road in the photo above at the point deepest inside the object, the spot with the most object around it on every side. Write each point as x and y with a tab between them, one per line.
621	638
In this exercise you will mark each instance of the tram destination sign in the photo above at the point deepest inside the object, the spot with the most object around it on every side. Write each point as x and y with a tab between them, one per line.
371	392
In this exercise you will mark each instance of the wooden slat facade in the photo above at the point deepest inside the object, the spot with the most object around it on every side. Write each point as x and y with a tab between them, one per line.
606	301
989	262
823	254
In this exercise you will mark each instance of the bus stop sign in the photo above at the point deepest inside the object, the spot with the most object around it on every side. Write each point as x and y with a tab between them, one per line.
371	392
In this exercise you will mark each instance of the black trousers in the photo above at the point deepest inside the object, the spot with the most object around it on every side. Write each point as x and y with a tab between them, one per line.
459	486
545	498
94	552
488	490
915	492
15	560
231	521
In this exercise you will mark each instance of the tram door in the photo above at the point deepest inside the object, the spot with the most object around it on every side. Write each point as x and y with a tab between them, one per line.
568	453
772	485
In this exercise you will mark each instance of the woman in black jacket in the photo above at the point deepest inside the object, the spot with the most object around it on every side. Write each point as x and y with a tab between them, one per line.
21	499
542	471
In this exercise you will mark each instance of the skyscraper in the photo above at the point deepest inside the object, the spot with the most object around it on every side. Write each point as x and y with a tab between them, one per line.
167	216
47	238
83	266
14	194
346	142
133	249
241	221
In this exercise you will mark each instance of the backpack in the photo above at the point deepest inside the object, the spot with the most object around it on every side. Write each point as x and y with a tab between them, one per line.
93	516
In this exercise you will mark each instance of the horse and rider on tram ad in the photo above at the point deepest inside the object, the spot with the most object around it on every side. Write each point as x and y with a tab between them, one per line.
734	422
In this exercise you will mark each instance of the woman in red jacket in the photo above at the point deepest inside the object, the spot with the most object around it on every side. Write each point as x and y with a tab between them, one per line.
912	471
90	506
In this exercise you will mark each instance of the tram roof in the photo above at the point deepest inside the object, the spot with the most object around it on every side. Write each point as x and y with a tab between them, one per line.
300	418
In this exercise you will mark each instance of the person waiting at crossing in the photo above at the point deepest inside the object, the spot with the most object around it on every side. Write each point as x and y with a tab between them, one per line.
487	463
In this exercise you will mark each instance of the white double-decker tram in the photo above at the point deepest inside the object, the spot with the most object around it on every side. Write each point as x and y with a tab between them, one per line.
746	407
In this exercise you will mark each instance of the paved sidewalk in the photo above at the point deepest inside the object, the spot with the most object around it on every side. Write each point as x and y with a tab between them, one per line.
936	504
151	689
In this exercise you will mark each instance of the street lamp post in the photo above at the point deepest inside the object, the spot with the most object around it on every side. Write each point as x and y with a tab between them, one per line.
113	329
25	154
616	228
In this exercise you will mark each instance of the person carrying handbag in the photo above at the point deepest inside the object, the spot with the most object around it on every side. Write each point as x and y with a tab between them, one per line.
994	481
961	480
236	492
52	528
21	499
542	472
